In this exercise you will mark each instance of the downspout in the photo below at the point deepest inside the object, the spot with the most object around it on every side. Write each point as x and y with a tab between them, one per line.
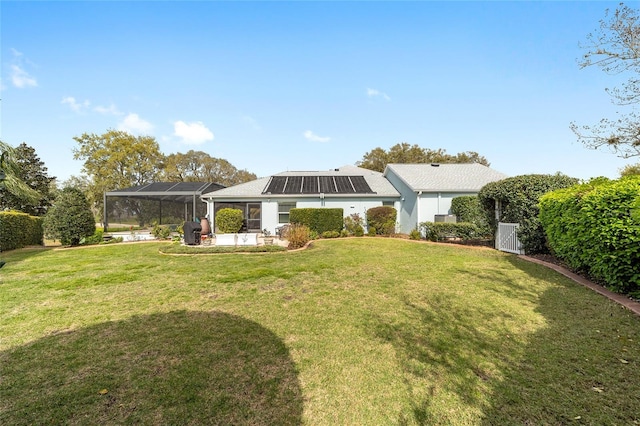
418	209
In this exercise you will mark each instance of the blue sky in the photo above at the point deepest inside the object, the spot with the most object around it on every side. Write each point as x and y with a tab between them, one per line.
275	86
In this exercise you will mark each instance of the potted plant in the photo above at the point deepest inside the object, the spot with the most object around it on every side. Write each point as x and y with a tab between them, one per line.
268	239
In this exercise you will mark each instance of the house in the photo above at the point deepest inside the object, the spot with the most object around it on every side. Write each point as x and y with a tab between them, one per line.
427	189
418	192
266	202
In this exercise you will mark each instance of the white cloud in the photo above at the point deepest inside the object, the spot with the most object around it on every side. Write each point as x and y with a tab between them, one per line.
195	133
21	78
309	135
374	93
132	123
75	105
110	110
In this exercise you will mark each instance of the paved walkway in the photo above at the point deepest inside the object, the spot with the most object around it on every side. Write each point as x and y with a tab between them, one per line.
619	298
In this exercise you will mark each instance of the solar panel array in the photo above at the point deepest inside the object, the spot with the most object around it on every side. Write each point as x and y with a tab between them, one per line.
317	185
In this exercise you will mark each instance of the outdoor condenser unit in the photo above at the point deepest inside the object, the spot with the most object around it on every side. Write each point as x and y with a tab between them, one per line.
448	218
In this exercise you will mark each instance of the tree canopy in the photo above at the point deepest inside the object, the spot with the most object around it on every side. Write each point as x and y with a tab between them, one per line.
615	48
198	166
10	174
377	159
31	171
115	160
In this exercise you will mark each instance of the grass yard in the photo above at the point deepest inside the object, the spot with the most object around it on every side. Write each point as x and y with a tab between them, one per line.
366	331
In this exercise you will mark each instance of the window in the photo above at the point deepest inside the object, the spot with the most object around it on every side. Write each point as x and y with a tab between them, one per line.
388	203
283	211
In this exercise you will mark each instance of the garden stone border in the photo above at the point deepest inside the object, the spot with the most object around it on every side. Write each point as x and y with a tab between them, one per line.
621	299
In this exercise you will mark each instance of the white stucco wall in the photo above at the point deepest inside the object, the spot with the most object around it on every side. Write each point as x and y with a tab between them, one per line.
433	203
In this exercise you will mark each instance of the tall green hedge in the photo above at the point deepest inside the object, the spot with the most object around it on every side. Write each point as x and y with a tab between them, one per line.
468	209
595	228
19	230
382	219
519	197
318	219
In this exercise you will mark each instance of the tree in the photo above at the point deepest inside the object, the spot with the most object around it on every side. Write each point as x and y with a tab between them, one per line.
31	171
116	160
198	166
70	218
630	170
377	159
10	175
615	48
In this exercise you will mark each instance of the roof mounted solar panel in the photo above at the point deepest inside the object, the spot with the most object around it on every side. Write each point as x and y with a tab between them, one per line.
311	185
292	185
360	185
276	185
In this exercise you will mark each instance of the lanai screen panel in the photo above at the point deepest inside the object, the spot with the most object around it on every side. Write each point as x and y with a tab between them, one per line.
318	184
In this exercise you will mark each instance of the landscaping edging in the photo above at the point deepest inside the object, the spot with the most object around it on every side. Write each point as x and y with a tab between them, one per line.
631	305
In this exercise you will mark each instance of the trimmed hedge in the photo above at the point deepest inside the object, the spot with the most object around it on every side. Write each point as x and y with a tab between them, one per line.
438	231
595	228
318	220
519	197
19	230
229	221
468	209
382	220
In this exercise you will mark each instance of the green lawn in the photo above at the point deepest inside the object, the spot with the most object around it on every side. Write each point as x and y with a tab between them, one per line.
367	331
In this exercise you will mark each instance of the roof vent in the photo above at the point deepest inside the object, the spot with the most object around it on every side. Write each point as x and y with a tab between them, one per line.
435	165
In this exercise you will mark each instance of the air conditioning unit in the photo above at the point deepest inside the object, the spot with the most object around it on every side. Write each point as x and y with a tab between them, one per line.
448	218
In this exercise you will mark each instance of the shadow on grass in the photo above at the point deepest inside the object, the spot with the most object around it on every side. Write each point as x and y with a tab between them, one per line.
581	368
175	368
573	359
443	356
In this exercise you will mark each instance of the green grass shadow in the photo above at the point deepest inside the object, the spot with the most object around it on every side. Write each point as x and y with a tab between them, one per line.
181	367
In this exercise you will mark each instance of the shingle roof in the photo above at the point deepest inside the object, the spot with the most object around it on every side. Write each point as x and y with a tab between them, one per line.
377	182
445	177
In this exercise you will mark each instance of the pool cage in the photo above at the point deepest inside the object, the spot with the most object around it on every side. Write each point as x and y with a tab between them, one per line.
164	203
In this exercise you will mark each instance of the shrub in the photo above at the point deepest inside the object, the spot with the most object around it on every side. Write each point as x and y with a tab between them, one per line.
19	230
595	228
229	221
297	235
383	219
372	231
518	197
96	238
318	219
352	223
330	234
439	231
160	232
415	235
468	209
69	219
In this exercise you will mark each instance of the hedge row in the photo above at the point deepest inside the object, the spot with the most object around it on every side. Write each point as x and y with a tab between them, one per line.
595	228
519	197
318	220
438	231
19	230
